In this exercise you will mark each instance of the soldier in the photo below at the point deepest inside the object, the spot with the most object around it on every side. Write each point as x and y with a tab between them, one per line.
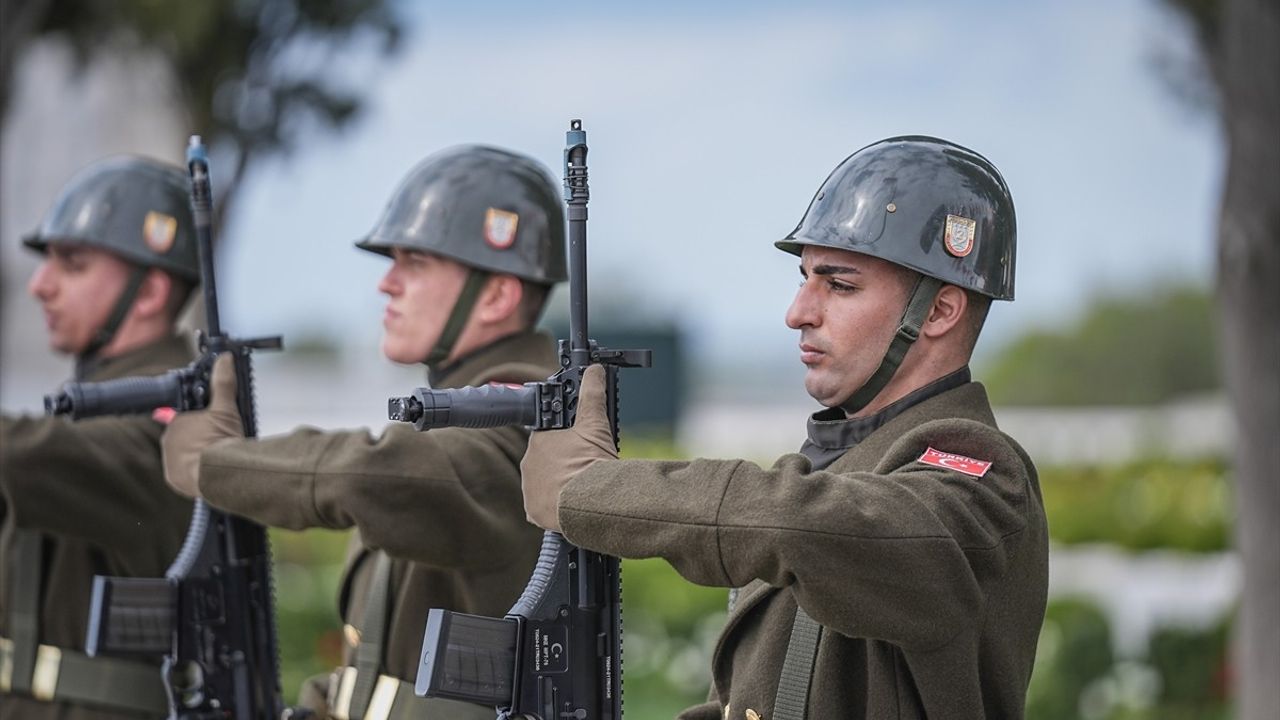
476	239
897	565
86	498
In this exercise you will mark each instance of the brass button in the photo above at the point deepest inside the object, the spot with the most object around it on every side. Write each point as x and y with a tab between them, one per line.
351	634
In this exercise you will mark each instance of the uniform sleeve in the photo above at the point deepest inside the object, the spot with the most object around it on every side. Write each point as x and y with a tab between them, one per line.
98	480
445	498
899	554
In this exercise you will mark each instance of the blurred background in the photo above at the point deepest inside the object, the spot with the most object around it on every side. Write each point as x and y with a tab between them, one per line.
1116	125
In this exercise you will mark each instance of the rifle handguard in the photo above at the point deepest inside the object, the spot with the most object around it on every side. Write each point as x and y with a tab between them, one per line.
123	396
471	407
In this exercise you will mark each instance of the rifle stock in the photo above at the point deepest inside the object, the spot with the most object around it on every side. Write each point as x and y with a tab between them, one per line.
558	652
211	618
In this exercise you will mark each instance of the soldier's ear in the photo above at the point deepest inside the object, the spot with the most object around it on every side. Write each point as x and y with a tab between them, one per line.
946	313
153	295
500	298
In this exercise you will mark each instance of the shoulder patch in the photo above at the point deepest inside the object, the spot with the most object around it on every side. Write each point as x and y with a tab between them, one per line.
959	463
163	415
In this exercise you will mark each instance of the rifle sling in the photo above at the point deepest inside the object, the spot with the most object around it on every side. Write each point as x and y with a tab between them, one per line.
797	669
373	631
24	614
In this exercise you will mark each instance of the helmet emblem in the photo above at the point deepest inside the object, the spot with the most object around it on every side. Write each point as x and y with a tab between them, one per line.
960	235
159	231
500	228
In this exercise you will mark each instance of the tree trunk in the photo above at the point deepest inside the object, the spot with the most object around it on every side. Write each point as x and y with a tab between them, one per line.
1249	307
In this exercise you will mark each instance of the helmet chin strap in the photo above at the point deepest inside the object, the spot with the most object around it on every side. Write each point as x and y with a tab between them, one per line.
118	313
909	325
457	318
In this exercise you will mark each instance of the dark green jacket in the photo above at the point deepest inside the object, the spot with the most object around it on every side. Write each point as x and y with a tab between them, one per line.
95	491
930	583
445	505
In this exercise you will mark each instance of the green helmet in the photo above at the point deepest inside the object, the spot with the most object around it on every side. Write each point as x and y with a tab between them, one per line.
134	207
487	208
923	203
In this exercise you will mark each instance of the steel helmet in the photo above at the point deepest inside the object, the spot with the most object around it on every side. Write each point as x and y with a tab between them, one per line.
137	208
485	207
923	203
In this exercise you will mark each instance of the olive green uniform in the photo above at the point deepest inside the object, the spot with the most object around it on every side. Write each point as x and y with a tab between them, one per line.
90	497
444	508
929	583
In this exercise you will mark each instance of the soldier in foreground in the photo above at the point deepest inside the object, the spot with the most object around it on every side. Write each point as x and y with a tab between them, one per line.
476	240
897	565
79	499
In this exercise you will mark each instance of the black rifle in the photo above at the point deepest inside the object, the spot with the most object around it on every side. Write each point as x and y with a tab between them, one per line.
211	617
558	652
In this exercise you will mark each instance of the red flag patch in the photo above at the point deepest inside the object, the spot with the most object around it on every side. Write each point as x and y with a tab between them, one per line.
959	463
163	415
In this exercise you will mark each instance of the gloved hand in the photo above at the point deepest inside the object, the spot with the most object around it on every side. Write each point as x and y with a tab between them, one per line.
189	433
554	457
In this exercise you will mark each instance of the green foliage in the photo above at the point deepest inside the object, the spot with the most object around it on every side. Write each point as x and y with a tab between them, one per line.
1194	666
1140	505
1076	676
308	568
1123	351
1074	651
671	629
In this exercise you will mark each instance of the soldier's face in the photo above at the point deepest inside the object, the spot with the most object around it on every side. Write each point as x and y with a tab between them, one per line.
77	287
421	289
847	311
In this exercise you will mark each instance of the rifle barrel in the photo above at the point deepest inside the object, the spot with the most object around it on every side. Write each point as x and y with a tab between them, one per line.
202	209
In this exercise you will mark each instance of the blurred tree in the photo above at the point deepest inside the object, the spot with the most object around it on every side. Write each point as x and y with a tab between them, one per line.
251	74
1240	42
1074	650
1144	349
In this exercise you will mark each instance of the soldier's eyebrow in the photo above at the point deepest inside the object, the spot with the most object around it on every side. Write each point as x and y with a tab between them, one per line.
834	270
67	252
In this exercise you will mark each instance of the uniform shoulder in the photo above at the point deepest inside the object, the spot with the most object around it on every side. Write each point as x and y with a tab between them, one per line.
950	442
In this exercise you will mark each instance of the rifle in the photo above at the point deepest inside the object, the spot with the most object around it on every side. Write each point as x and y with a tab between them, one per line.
211	617
558	652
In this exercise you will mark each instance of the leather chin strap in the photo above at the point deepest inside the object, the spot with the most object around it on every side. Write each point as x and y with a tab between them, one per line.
909	325
112	325
457	317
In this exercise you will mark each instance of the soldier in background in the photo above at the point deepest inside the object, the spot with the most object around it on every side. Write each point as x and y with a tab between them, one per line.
85	498
476	241
897	566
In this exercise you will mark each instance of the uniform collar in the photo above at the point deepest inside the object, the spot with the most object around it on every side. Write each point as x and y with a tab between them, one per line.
831	434
521	357
168	352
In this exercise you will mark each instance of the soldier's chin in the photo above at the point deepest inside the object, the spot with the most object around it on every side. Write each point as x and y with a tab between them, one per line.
398	351
825	395
63	346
